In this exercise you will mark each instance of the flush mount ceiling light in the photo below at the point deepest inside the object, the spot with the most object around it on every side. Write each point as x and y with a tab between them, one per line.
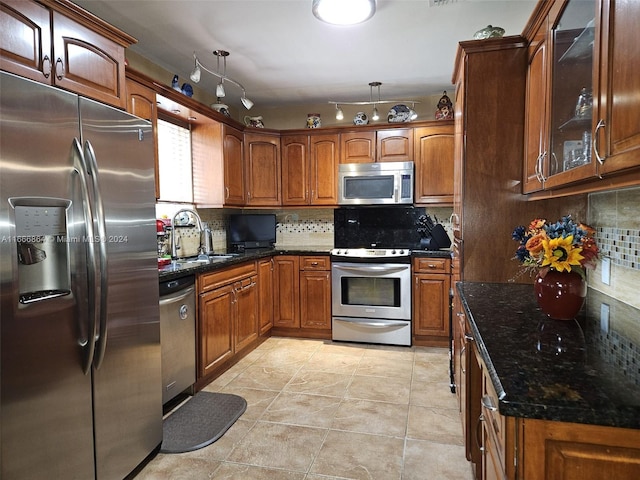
196	73
412	115
344	12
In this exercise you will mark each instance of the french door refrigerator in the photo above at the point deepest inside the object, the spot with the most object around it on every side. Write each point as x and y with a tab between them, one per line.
81	393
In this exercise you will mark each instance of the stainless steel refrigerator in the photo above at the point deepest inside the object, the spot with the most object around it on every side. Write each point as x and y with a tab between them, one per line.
81	392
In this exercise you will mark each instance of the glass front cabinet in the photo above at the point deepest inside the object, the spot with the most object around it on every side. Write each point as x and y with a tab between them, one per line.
583	106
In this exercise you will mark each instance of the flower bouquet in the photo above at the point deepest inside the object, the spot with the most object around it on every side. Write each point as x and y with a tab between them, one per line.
559	253
564	246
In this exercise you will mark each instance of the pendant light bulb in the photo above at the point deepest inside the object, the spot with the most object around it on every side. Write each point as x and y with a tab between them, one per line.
220	90
339	112
374	115
195	74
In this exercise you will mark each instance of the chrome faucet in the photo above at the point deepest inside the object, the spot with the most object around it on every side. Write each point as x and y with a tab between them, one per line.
174	247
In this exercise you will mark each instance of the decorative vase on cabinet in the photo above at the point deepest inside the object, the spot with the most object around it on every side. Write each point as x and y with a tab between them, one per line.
560	295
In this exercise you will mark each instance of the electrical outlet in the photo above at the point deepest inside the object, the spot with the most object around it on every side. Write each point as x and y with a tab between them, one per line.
604	317
605	266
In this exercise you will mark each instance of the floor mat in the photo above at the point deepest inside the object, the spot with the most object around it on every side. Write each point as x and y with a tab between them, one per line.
200	421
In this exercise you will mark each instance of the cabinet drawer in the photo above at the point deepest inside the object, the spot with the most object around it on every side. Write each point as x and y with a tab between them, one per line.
208	281
432	265
315	263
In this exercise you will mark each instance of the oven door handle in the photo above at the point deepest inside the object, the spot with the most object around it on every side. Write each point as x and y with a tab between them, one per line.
373	323
372	268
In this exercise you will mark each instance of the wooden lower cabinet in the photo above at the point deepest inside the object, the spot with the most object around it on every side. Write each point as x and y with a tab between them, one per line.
302	296
286	289
431	301
315	293
215	329
227	317
512	448
570	451
265	296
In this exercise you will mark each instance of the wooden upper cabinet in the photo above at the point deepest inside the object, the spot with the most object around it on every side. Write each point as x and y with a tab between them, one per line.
141	102
577	48
295	169
309	169
323	169
25	35
358	147
262	162
56	44
618	84
394	145
536	142
434	153
207	163
233	154
388	145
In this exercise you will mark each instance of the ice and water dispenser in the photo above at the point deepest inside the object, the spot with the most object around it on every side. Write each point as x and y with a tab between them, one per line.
42	251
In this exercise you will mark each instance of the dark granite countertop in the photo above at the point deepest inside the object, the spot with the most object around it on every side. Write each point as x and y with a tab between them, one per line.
444	253
583	371
172	271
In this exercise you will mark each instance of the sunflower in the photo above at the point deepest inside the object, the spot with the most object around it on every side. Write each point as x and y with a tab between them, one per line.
560	254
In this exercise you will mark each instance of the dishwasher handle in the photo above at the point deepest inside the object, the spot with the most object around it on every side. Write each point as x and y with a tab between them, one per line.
177	296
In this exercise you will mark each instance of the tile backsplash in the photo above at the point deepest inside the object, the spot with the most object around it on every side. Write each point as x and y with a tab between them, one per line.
616	217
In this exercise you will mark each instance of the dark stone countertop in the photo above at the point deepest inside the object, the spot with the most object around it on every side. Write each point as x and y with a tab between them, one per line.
173	271
444	253
582	371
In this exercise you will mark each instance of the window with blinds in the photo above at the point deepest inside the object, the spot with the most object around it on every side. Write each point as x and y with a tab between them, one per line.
174	162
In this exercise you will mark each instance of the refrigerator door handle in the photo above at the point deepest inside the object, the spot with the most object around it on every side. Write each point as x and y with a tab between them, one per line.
102	251
80	169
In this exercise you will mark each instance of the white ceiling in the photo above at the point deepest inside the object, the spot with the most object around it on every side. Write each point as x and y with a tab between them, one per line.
284	56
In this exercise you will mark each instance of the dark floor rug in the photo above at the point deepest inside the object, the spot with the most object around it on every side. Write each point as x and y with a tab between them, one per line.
200	421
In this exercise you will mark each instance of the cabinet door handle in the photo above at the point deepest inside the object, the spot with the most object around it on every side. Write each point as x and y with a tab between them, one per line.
479	429
59	75
461	362
538	168
468	337
226	193
600	125
46	66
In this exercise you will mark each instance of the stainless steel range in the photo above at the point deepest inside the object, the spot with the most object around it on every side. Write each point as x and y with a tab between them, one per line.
371	295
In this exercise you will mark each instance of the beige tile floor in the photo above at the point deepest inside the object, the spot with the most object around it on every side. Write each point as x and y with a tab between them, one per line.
319	410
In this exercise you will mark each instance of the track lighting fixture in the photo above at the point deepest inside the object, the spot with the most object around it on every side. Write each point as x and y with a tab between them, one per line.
220	91
407	114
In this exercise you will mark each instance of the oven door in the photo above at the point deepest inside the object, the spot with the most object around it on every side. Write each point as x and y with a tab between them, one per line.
376	290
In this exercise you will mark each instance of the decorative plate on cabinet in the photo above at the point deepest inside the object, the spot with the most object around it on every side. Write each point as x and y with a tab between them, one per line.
399	114
360	119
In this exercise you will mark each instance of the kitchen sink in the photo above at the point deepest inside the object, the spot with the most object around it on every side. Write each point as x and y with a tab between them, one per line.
201	260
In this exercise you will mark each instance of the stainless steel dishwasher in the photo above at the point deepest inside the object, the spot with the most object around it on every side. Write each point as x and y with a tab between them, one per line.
177	335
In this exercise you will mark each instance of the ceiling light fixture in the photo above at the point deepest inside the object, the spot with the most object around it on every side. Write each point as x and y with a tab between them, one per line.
374	115
343	12
196	73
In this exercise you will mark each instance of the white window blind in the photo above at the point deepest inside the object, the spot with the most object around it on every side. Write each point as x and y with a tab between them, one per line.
174	162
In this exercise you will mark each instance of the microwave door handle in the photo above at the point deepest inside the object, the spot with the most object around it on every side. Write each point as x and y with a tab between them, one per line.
80	169
102	250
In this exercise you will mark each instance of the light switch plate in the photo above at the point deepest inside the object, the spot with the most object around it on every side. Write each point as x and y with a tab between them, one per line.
605	265
604	317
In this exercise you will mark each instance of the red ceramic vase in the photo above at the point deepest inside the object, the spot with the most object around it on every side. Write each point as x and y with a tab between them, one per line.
560	295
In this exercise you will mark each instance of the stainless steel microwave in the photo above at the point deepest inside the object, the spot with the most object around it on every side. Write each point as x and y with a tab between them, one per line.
381	183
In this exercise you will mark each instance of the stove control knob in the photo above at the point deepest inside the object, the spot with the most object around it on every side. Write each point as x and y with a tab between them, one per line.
393	252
